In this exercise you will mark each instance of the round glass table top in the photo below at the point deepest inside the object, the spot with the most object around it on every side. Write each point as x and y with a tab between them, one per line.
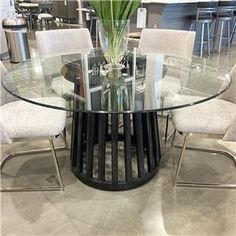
154	82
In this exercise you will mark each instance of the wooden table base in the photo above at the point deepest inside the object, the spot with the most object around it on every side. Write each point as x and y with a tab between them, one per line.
115	151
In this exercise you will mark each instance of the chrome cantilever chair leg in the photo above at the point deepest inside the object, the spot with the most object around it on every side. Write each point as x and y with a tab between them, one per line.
173	138
64	137
166	129
233	32
59	187
198	184
56	163
180	161
168	136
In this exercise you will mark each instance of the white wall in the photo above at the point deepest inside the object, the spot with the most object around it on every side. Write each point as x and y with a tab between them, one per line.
6	7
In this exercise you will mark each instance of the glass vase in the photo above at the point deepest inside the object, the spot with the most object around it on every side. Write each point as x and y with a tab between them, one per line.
115	95
114	37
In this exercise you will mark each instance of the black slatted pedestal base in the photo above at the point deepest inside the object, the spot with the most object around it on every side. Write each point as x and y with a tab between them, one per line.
115	151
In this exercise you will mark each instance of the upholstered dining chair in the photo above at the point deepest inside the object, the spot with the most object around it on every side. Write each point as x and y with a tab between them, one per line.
215	117
177	43
63	42
20	119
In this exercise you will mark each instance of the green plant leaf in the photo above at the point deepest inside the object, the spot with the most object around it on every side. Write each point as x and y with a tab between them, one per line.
113	15
117	9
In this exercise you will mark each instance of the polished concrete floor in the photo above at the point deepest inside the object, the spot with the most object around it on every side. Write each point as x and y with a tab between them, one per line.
157	208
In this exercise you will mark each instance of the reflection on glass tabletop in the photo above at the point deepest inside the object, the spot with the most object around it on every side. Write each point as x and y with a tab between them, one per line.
154	82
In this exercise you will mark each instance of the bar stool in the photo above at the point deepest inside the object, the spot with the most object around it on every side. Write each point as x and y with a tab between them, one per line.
93	20
45	18
234	25
44	15
224	17
204	19
233	31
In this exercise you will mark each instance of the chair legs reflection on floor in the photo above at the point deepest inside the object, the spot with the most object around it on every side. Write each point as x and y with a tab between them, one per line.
215	117
59	187
198	184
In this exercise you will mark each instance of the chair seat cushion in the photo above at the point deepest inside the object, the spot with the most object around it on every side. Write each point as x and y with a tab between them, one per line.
44	16
169	86
211	117
62	87
223	17
202	19
23	119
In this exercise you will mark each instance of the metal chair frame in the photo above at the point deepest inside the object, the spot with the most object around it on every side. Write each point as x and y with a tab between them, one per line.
59	187
198	184
233	30
223	18
94	18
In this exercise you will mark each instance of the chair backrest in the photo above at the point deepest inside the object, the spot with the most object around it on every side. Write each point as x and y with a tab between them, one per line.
230	93
64	41
178	43
5	96
67	41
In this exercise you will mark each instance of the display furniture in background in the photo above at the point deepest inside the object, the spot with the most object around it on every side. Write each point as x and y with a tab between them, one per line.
45	15
30	9
203	20
66	11
224	18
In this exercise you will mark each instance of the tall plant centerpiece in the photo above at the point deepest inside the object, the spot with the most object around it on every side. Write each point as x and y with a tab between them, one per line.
113	16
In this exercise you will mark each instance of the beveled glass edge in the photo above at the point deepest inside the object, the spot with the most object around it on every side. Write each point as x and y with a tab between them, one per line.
188	104
36	103
123	112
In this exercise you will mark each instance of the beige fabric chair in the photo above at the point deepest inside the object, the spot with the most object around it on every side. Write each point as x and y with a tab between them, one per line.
217	117
63	42
19	119
177	43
